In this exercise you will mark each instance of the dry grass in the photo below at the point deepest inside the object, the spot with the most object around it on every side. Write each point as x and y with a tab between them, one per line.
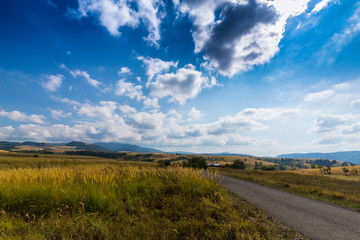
73	197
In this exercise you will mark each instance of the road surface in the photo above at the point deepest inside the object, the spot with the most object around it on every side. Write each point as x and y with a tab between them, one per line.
315	219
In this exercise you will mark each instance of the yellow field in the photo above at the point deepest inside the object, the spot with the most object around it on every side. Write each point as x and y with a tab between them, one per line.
77	197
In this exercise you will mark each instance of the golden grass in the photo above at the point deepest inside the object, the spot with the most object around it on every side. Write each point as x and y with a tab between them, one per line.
77	197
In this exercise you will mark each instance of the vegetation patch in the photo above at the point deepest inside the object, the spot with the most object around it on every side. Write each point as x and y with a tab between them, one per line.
94	198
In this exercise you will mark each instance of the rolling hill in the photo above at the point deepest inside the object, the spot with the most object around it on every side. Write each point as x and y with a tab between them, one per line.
118	147
347	156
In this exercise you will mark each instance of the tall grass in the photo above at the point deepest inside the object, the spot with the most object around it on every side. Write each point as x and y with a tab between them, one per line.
62	197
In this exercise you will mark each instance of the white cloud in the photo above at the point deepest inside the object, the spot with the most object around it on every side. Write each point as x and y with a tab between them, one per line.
339	40
127	109
53	82
321	5
105	110
78	73
156	66
114	14
195	114
124	70
151	102
325	122
22	117
319	96
124	88
184	84
59	114
356	103
70	102
86	75
146	121
246	33
342	86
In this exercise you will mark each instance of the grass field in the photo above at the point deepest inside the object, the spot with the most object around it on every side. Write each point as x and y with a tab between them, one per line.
336	188
77	197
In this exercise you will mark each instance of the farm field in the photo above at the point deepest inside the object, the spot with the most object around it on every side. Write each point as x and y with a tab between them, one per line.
336	187
80	197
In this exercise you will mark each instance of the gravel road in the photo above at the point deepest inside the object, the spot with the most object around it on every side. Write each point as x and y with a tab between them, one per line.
315	219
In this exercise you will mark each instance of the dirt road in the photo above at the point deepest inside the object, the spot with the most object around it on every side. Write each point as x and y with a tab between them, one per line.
315	219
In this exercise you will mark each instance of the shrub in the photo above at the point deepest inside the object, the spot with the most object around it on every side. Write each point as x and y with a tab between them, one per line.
237	164
196	162
268	168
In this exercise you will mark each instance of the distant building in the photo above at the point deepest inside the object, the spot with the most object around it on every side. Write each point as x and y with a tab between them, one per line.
214	165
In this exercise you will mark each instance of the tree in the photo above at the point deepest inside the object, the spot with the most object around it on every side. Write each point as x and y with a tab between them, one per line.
321	168
327	170
196	162
237	164
164	163
345	170
313	166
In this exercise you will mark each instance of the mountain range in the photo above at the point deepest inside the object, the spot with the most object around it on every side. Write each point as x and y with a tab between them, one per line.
346	156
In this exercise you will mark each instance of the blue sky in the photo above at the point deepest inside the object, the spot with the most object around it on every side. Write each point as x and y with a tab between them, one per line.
245	76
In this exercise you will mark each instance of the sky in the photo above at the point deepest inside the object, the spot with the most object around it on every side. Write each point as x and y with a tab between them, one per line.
255	77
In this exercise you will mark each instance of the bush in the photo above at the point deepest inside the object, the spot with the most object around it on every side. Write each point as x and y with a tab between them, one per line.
163	163
237	164
196	162
268	168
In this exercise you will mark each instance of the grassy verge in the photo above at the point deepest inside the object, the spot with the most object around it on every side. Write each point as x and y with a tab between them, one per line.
340	191
90	198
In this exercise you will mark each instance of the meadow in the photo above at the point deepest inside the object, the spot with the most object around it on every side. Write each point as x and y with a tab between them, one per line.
78	197
336	187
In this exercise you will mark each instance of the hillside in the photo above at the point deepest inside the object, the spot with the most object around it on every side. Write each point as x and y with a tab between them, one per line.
119	147
346	156
86	146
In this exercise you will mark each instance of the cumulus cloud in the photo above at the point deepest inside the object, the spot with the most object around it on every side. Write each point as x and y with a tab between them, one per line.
6	132
156	66
151	102
325	122
59	114
105	110
127	109
53	82
124	70
128	89
22	117
319	96
146	121
184	84
236	35
114	14
195	114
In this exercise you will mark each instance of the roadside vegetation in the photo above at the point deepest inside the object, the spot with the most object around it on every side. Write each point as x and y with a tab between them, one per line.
80	197
335	185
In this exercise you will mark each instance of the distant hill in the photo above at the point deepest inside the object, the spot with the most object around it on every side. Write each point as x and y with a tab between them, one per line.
228	154
86	146
8	145
347	156
117	147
